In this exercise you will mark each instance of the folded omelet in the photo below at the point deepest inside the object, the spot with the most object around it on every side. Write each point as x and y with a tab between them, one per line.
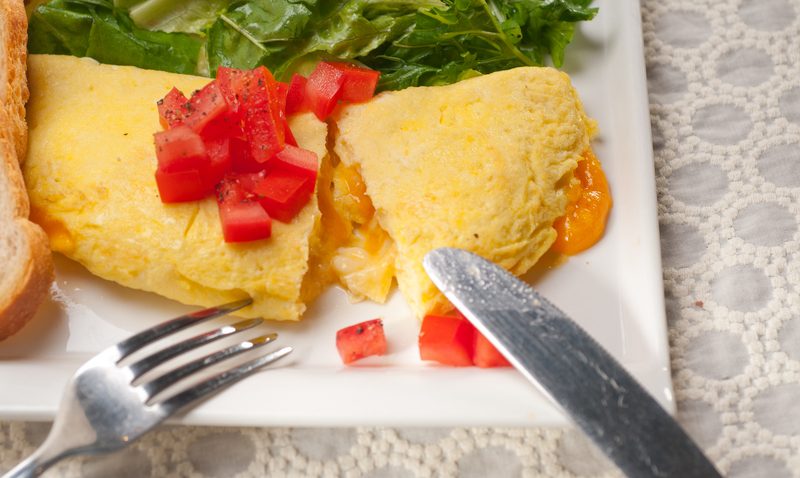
90	175
482	164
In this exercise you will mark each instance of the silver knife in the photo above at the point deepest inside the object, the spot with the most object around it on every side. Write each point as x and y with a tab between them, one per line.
569	366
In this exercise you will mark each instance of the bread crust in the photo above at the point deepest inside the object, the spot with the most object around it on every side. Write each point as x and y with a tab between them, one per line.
27	279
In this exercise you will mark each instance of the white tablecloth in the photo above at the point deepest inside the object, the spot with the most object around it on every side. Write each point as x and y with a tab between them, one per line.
724	80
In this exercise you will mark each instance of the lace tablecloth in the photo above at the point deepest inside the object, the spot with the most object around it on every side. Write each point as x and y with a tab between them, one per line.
724	80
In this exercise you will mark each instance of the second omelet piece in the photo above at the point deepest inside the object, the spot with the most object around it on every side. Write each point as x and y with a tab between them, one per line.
482	165
90	175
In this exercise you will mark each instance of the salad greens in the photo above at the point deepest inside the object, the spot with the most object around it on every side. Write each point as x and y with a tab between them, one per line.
412	42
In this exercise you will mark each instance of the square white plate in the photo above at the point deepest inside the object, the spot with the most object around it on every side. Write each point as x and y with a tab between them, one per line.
614	290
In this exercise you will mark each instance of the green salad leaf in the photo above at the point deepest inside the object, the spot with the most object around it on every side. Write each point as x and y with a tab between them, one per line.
97	29
412	42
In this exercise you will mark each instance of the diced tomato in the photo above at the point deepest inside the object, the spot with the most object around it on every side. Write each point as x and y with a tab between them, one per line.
231	85
244	222
242	219
447	340
359	83
205	106
288	135
280	89
228	136
296	96
324	88
361	340
172	109
181	186
241	159
283	194
278	92
219	156
264	135
180	149
299	161
485	354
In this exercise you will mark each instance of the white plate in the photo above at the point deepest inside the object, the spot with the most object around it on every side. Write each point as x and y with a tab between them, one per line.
614	290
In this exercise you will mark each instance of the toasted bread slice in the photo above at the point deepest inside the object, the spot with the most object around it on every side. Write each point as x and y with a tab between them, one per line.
26	266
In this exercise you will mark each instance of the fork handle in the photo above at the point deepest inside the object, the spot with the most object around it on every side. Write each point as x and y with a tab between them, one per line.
40	460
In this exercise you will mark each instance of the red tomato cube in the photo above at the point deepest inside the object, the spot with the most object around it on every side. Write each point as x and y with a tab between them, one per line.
173	108
447	340
361	340
287	134
283	194
299	161
324	88
205	106
180	149
359	83
485	354
263	133
181	186
296	96
231	84
242	219
241	159
219	163
244	222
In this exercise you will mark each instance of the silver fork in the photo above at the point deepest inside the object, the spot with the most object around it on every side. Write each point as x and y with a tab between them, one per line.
103	411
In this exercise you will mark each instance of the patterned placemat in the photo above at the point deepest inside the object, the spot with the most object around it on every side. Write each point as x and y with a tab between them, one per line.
724	80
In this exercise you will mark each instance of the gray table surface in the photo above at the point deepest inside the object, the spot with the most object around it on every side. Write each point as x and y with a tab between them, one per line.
724	79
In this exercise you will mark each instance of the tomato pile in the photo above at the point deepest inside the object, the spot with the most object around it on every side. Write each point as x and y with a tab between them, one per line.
232	139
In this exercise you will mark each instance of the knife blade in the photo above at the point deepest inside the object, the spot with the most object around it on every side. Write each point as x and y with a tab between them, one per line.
569	366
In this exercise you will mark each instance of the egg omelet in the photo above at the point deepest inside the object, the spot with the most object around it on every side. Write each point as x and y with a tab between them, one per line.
90	175
483	164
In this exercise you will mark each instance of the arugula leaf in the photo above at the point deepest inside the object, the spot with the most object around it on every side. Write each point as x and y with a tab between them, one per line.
250	33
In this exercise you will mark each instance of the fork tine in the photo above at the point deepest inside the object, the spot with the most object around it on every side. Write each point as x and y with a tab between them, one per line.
159	384
206	387
136	342
151	361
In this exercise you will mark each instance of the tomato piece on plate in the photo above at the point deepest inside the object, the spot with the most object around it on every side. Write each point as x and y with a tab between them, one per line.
359	83
242	219
296	96
205	106
485	355
180	149
181	186
264	134
361	340
323	89
173	108
299	161
447	340
283	194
